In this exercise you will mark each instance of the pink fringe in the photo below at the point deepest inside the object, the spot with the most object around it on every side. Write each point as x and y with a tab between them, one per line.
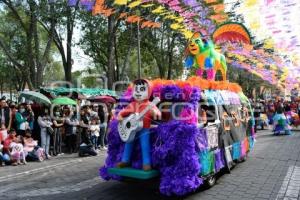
211	74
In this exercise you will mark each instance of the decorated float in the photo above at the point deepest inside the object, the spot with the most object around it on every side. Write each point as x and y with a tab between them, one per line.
181	132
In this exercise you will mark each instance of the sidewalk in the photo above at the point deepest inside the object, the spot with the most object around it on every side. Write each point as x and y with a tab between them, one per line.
8	172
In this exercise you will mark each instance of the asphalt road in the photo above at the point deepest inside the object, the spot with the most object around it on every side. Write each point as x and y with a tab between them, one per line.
272	171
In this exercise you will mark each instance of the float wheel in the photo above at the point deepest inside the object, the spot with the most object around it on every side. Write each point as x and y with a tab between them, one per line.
210	181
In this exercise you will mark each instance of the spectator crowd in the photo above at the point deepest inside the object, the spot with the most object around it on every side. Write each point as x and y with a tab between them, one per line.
268	112
32	132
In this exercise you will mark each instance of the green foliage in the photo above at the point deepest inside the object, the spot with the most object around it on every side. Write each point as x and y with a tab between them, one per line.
86	78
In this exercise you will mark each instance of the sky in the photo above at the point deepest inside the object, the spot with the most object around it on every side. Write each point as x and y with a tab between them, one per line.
81	61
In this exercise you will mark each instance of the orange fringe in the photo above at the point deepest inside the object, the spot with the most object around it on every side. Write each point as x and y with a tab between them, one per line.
203	84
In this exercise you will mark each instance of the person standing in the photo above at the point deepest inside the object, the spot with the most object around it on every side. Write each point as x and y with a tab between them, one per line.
58	122
21	122
45	123
85	125
95	129
5	114
29	116
103	116
71	124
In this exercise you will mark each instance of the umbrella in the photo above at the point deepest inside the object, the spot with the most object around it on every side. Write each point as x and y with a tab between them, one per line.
64	101
102	99
35	96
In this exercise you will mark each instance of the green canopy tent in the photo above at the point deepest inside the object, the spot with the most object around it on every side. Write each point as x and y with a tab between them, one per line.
88	92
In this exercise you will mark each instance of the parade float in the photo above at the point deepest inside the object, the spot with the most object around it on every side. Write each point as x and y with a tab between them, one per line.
181	132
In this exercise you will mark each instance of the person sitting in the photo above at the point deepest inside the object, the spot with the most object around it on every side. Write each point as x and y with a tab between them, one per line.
281	123
6	151
32	151
17	151
1	148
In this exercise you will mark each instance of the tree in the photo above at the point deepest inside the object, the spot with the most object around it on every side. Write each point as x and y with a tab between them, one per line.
112	44
20	29
165	47
64	17
109	42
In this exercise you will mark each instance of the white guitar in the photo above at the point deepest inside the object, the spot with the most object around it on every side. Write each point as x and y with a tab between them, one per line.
132	124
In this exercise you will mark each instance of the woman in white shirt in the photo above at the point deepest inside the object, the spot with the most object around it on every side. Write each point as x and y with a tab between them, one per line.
44	122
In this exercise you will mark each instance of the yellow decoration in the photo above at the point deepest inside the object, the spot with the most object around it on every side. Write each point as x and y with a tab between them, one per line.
269	44
120	2
179	19
176	26
255	25
273	67
187	33
148	5
158	10
170	16
134	4
250	3
240	58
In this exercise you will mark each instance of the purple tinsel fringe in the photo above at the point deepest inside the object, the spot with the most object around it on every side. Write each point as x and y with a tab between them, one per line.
175	156
219	160
174	153
201	140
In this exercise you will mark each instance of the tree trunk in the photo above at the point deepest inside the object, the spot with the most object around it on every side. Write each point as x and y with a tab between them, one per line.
1	87
68	65
117	73
110	65
170	55
30	59
38	72
48	47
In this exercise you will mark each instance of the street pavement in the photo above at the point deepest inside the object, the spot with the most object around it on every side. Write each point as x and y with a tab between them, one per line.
272	171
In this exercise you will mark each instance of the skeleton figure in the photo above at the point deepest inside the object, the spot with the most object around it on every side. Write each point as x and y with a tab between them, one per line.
141	95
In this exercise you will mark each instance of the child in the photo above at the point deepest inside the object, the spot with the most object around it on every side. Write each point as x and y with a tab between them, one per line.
95	129
6	151
2	163
17	151
3	132
32	151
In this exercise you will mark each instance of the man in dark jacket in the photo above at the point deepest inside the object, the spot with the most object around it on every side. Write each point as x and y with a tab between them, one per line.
5	115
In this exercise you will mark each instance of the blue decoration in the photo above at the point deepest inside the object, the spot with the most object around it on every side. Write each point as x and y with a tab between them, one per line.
236	150
251	142
189	61
208	63
207	161
72	2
